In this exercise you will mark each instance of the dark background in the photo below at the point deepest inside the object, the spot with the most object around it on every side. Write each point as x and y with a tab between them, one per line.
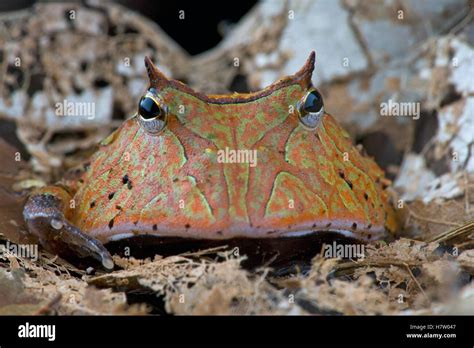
197	33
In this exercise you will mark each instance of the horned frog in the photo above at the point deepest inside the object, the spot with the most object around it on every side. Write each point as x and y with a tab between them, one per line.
162	173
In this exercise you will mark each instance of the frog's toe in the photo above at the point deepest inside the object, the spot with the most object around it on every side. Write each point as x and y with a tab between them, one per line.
46	221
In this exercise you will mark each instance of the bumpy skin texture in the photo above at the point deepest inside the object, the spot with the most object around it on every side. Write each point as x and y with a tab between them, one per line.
171	184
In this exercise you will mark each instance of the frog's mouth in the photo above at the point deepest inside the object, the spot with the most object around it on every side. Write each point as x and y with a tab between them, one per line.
343	229
276	247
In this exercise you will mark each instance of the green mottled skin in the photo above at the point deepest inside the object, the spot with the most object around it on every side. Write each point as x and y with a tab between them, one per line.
176	186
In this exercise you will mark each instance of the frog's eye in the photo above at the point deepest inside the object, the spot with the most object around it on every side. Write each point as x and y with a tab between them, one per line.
311	109
152	113
148	108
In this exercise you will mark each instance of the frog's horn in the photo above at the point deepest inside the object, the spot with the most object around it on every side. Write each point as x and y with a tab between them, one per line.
306	72
157	78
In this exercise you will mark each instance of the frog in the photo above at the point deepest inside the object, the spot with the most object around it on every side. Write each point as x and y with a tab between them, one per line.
182	166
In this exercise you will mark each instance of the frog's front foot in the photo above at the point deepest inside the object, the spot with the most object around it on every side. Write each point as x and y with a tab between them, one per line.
44	216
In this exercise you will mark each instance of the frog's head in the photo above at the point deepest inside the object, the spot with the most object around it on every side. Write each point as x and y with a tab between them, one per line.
264	164
166	96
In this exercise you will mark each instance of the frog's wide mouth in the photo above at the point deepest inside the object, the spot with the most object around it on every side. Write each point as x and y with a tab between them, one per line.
340	228
289	234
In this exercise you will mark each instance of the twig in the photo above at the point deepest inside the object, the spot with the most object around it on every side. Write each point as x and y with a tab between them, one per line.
378	263
462	23
385	263
467	200
466	245
459	231
417	283
439	222
204	252
466	193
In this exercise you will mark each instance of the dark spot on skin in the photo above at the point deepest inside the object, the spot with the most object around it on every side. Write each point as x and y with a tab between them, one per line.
135	222
369	236
125	179
219	233
328	225
118	207
384	186
111	195
369	226
366	196
314	226
354	226
111	223
187	226
81	181
155	227
129	185
92	205
343	177
175	180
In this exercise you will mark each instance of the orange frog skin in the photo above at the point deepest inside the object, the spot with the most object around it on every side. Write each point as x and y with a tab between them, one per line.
269	164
